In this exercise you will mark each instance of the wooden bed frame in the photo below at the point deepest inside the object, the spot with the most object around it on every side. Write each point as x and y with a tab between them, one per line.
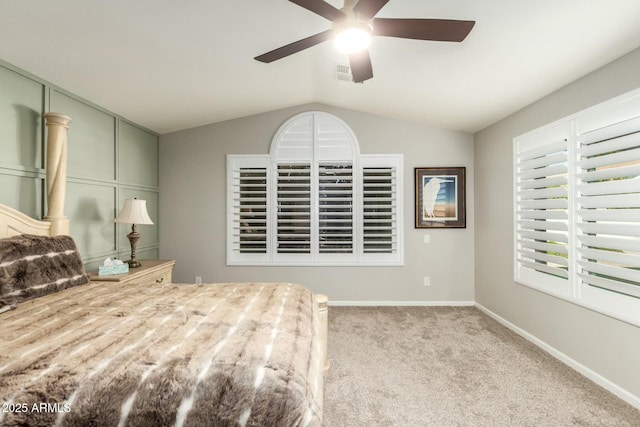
13	222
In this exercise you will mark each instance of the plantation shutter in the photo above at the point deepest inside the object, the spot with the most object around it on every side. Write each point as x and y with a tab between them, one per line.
247	200
314	200
294	208
589	251
608	211
335	208
381	218
542	220
379	210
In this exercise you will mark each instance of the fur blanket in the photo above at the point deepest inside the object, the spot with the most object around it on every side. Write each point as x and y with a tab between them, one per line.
32	266
158	355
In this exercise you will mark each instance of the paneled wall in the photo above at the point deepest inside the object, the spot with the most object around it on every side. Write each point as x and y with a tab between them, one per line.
109	160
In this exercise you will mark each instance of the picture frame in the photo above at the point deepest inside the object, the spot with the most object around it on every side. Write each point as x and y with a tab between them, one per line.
440	197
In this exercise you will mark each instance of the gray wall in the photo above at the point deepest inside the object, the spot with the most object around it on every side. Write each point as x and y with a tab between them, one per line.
109	159
192	183
607	346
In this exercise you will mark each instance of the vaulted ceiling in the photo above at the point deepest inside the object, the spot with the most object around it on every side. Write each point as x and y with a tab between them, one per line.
171	65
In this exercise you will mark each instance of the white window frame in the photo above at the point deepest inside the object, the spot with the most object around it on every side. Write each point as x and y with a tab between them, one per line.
586	227
339	147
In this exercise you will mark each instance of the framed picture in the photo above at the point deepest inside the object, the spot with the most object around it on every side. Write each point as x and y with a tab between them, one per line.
440	198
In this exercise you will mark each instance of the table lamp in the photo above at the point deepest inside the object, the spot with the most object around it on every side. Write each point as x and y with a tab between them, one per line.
133	212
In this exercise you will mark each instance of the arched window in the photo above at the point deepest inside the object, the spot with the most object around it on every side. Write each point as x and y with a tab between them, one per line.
314	200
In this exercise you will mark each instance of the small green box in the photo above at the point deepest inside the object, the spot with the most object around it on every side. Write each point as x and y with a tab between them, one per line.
106	270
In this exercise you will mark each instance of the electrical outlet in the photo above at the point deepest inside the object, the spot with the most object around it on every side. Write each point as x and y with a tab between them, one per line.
427	281
427	238
198	280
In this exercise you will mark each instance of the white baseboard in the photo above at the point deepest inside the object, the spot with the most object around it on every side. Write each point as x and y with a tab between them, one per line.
403	303
592	375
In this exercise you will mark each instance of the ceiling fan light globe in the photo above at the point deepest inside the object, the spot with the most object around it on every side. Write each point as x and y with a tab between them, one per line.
352	40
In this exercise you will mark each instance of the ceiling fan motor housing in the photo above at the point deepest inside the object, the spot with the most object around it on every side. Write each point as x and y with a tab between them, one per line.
352	34
357	19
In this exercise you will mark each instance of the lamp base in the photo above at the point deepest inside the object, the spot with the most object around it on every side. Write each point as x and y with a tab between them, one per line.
134	263
134	236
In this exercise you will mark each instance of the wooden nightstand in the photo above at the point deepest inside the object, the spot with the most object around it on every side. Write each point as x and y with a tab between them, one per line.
151	271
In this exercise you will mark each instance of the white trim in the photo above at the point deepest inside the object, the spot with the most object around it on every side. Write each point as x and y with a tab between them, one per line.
612	387
403	303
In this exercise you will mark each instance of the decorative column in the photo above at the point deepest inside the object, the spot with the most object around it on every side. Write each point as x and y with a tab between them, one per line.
56	179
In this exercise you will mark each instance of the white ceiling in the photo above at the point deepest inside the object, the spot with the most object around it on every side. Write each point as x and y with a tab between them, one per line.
172	64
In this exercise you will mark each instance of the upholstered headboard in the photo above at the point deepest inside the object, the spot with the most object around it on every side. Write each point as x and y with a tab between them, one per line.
13	222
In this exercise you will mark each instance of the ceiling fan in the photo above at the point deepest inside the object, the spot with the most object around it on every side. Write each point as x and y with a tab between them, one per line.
354	24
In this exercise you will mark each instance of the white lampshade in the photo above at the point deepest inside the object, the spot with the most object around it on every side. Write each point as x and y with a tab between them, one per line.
134	211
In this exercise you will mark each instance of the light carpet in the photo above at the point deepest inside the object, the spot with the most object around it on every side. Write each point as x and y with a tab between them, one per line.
452	366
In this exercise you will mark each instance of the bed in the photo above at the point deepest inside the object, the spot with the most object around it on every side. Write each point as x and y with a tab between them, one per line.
80	353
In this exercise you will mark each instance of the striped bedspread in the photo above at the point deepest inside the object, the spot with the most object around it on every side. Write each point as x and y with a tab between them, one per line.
163	355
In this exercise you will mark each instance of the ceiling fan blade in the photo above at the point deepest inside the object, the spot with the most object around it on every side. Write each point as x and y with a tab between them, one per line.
446	30
368	8
320	7
360	64
295	47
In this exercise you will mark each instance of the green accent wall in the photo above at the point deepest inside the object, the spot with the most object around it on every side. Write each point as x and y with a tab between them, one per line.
109	159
